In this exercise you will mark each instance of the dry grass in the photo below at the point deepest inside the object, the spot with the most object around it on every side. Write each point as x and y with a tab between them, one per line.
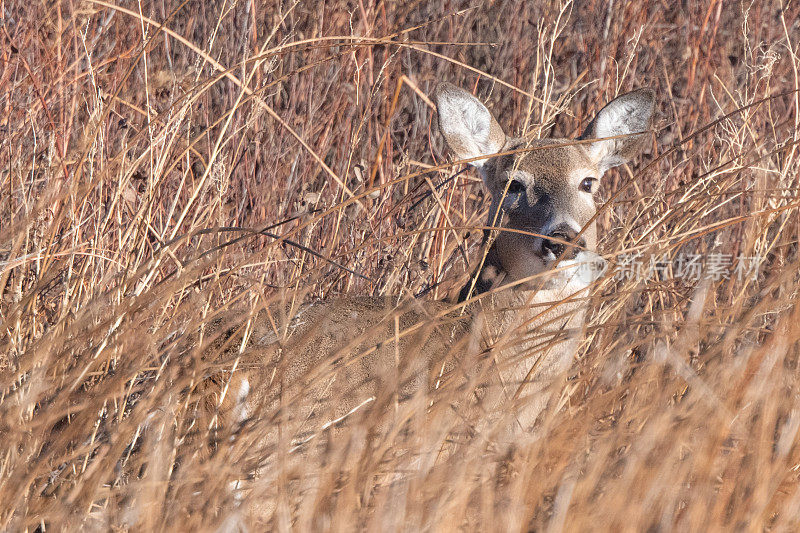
140	162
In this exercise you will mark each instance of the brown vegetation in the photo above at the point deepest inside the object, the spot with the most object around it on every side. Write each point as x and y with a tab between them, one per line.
164	164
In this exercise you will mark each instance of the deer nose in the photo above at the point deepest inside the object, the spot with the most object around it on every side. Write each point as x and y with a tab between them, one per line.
564	240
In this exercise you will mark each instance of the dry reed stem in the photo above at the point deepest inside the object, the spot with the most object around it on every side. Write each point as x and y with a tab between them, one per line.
252	153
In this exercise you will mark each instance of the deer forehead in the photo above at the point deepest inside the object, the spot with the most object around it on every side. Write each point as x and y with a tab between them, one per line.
551	166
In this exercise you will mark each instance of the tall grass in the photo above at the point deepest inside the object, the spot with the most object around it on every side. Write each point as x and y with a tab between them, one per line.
165	164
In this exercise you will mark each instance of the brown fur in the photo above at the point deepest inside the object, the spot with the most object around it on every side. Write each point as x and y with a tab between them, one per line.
350	360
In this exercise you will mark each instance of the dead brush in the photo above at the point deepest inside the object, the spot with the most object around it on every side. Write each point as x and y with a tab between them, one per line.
142	162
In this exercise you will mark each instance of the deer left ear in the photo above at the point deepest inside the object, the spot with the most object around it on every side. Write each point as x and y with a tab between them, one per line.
627	114
468	127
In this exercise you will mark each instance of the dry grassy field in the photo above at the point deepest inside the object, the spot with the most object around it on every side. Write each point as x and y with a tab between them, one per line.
167	163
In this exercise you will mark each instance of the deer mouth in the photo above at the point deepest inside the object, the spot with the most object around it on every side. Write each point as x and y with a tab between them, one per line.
569	261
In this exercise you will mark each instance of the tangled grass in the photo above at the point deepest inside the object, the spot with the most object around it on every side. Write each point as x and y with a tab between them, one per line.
164	163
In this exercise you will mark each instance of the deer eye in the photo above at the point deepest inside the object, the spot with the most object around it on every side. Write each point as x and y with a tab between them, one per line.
587	184
516	187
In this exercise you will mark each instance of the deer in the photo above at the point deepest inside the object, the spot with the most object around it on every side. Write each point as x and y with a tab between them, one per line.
516	327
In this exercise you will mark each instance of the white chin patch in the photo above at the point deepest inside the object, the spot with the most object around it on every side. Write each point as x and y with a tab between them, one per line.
583	269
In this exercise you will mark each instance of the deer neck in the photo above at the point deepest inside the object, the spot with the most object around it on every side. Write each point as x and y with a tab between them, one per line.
524	291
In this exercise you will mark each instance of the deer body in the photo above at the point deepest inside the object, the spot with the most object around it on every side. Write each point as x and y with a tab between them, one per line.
344	358
351	357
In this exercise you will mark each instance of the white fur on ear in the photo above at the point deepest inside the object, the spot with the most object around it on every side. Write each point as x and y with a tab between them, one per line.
626	114
468	127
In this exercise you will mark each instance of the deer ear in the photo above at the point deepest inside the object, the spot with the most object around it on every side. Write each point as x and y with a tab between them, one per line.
468	127
626	114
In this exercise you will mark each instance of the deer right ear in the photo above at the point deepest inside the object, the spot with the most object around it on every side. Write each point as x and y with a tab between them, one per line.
625	115
468	127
